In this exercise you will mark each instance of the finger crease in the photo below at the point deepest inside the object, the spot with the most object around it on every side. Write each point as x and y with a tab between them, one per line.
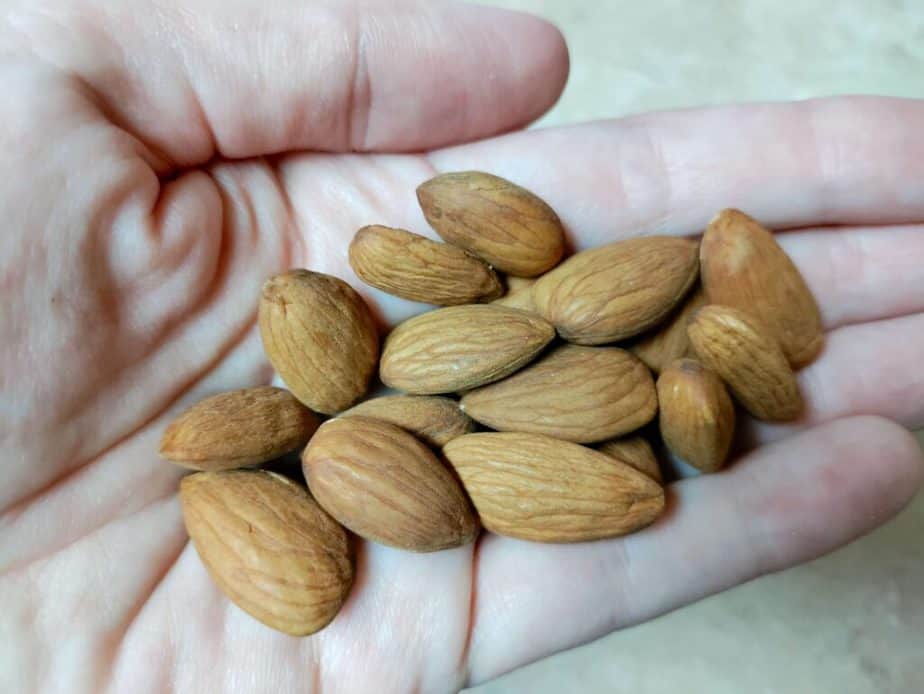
360	97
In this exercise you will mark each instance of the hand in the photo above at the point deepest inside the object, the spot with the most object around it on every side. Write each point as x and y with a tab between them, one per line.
156	170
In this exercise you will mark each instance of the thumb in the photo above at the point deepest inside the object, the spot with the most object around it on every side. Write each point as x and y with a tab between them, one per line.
241	78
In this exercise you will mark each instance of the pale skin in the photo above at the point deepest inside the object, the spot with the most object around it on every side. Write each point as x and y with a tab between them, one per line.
161	159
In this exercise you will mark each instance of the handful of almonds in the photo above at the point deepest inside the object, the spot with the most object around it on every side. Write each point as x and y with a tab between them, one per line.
558	371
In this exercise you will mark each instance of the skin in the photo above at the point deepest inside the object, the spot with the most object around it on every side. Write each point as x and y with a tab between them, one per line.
156	170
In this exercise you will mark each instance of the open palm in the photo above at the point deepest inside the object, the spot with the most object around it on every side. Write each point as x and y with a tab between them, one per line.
162	159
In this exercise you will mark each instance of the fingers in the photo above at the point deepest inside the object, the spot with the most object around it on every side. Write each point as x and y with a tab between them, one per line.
872	369
782	505
870	286
243	79
843	160
861	274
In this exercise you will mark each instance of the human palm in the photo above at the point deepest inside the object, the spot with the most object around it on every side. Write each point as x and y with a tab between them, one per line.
160	161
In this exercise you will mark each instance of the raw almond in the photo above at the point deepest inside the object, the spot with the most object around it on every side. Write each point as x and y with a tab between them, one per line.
744	267
534	487
461	347
237	429
634	451
749	360
511	228
269	547
617	291
575	393
697	417
320	337
519	294
416	268
670	341
386	486
434	420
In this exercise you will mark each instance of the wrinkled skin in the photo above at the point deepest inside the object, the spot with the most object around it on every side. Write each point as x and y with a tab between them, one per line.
161	158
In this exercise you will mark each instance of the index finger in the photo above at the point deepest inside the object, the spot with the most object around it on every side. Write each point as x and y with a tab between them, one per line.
847	160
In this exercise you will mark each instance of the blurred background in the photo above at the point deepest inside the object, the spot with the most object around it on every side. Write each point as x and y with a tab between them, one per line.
853	622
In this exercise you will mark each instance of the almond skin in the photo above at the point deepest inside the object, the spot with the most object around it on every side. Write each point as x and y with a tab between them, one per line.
461	347
519	294
534	487
697	417
617	291
386	486
575	393
744	267
238	429
749	360
511	228
269	547
670	341
418	269
634	451
434	420
320	337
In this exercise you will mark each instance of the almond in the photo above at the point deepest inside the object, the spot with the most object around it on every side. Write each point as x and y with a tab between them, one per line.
386	486
237	429
269	547
434	420
461	347
320	337
534	487
416	268
519	294
617	291
670	341
749	360
634	451
512	229
697	417
576	393
744	267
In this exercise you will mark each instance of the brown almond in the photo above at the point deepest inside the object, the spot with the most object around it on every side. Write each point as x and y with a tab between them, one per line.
634	451
538	488
461	347
320	337
519	294
239	428
511	228
434	420
415	268
697	417
670	341
617	291
749	360
269	547
386	486
744	267
575	393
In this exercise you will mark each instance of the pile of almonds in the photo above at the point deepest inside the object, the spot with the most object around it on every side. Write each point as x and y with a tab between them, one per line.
554	360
